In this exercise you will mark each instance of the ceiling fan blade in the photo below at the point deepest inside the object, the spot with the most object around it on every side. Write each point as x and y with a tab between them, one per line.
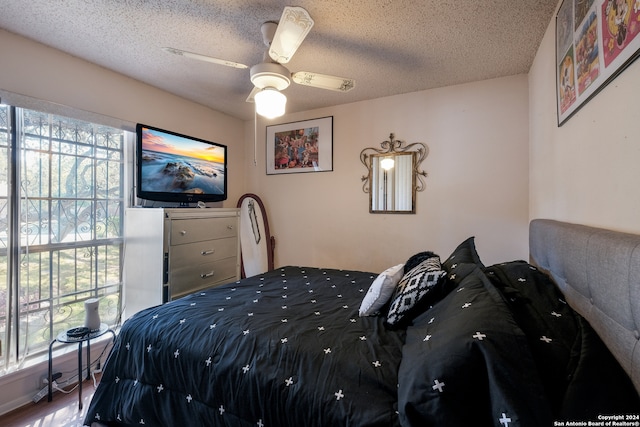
323	81
204	58
251	97
295	23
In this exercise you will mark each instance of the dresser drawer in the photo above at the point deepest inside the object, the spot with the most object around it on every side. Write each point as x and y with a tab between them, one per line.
199	229
192	254
190	279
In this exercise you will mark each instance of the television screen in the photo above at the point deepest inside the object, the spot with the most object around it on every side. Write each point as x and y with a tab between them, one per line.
177	168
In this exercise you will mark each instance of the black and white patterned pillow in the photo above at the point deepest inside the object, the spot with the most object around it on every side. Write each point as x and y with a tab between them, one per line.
414	286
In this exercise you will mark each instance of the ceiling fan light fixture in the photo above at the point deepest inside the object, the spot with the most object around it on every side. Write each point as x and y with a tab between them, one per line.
270	74
270	103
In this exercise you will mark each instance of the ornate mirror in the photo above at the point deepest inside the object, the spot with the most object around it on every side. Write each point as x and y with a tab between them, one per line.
256	243
394	176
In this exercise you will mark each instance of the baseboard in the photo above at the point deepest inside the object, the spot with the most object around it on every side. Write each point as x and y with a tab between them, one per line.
18	388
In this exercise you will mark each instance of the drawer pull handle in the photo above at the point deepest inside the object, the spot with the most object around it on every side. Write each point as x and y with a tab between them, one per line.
209	252
230	227
205	275
183	233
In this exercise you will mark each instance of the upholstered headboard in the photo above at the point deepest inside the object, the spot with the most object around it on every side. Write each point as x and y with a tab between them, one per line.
598	272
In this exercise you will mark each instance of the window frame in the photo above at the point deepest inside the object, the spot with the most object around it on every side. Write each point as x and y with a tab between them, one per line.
14	351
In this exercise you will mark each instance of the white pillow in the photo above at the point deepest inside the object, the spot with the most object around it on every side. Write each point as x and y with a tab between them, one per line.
381	290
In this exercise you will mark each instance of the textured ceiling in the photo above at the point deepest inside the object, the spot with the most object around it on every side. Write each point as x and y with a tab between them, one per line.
388	46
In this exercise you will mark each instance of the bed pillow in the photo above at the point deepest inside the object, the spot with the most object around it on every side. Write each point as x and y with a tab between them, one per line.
381	290
416	259
462	261
411	294
464	253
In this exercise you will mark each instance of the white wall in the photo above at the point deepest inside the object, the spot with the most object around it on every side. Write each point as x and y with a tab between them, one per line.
477	135
588	170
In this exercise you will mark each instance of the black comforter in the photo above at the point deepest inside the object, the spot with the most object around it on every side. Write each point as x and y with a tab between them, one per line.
498	347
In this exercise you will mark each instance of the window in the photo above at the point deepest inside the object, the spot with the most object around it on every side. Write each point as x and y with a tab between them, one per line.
60	227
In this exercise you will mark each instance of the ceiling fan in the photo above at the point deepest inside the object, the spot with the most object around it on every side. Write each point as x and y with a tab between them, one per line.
269	77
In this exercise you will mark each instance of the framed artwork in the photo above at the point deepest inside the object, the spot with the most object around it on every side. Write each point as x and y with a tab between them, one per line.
595	41
300	147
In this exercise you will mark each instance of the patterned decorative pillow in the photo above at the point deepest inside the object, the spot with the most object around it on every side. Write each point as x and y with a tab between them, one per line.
381	290
411	293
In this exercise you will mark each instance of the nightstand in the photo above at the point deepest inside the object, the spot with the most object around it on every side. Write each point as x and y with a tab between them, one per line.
64	338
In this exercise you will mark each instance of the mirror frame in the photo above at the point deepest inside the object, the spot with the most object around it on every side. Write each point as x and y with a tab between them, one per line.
392	146
267	239
380	201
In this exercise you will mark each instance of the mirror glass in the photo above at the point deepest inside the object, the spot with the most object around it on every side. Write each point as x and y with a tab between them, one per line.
392	185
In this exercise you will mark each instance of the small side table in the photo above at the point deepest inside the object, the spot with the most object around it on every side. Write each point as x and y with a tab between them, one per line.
65	339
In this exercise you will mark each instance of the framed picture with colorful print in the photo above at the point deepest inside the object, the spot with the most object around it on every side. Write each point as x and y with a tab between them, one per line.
300	147
595	41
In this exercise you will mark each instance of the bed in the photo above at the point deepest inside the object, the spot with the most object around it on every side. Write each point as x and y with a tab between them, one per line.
430	342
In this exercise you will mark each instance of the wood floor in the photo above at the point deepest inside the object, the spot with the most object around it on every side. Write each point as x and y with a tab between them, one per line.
61	412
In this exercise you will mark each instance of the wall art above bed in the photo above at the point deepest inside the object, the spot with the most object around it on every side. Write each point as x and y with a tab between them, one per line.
595	41
305	146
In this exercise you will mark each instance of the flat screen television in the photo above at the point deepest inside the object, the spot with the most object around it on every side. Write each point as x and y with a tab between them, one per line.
171	167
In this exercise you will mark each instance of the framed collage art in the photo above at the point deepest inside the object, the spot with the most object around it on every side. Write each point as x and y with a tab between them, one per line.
300	147
595	41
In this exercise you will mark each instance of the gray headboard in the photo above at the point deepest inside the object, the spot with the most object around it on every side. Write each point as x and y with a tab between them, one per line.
599	273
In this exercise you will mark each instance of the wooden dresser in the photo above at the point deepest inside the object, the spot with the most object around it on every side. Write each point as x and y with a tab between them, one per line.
170	253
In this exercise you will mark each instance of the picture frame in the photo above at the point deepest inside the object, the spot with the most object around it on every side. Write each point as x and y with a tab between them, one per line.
595	41
300	147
